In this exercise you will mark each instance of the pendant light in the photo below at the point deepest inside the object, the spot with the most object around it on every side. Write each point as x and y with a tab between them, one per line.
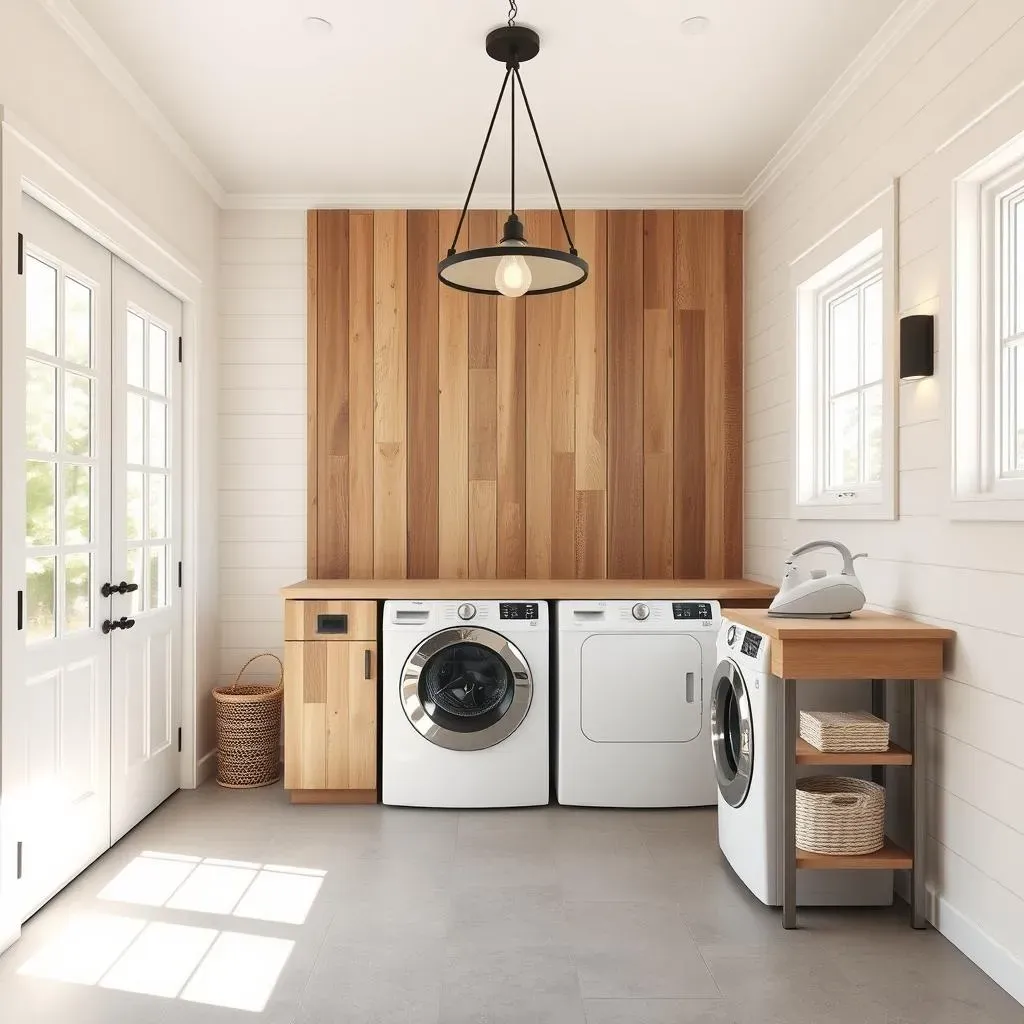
513	267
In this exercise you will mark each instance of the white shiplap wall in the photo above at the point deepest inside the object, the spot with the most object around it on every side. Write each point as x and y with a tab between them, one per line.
947	95
262	428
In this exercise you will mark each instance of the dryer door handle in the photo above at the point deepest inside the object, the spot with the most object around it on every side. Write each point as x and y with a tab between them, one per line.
689	687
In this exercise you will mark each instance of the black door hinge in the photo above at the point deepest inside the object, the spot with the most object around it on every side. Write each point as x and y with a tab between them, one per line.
179	575
180	347
21	254
19	858
21	609
179	739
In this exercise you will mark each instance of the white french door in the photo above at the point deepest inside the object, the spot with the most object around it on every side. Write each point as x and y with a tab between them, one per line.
92	512
146	666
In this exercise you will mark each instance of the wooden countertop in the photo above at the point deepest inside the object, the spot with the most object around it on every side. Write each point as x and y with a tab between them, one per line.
868	645
730	592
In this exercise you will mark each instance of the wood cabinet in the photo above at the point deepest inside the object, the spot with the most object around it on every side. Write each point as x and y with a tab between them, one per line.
331	701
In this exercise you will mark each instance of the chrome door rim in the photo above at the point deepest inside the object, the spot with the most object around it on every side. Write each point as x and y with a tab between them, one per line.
733	785
448	738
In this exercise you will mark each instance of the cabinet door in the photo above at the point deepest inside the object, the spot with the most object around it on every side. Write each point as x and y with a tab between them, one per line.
351	716
330	715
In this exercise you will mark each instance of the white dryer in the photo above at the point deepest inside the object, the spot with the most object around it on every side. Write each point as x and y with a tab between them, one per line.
632	682
747	726
466	719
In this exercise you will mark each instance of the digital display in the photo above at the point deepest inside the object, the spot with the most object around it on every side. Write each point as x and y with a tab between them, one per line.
751	645
691	610
518	611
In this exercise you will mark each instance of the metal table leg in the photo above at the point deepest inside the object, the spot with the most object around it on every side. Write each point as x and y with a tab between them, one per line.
917	872
789	734
878	710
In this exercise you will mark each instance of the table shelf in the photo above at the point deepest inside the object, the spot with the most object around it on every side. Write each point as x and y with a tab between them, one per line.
896	755
889	858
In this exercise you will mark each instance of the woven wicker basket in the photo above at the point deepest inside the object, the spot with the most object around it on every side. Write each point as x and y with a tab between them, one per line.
249	730
839	815
844	731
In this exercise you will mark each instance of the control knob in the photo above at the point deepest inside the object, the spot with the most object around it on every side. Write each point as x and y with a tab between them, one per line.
467	612
641	612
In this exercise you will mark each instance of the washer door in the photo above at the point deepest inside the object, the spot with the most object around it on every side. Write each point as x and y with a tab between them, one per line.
732	734
466	688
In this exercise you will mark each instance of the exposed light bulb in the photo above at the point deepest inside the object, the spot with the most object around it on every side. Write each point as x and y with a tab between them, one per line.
513	276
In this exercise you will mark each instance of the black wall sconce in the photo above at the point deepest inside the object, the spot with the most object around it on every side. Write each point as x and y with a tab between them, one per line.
917	346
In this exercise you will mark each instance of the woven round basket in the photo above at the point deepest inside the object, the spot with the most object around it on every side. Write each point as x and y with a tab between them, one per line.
249	730
839	816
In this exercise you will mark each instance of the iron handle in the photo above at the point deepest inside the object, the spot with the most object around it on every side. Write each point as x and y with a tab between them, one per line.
367	657
124	587
110	625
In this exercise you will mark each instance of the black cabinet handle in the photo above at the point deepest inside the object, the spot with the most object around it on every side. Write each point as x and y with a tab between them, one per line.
367	666
124	587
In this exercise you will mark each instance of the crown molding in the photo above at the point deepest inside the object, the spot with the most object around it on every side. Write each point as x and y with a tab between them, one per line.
67	16
881	44
449	201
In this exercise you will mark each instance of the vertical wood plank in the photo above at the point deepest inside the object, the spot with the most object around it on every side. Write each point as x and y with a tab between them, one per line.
691	234
423	384
563	423
362	723
360	395
591	339
540	318
591	530
511	485
659	286
453	419
312	458
483	537
733	394
715	436
332	394
390	369
625	395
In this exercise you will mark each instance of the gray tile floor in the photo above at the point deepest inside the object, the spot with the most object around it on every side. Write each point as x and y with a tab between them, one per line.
227	907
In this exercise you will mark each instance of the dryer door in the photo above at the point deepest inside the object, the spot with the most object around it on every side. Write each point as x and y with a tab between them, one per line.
732	734
640	688
466	688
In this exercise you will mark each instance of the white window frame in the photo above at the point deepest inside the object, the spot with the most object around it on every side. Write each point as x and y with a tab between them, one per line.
982	485
858	251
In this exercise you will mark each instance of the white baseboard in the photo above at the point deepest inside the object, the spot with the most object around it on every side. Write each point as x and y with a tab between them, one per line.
995	960
206	767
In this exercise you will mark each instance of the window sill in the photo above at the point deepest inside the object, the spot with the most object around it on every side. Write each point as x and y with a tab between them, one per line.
850	512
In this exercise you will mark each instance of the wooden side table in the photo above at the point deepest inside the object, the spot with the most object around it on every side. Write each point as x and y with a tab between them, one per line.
868	645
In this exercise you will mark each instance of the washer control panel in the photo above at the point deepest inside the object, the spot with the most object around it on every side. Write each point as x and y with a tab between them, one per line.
751	644
691	610
518	610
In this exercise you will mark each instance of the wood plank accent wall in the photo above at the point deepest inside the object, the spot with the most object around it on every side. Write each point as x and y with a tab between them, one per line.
595	433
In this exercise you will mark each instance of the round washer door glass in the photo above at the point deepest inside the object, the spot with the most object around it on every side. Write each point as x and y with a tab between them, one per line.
466	688
732	734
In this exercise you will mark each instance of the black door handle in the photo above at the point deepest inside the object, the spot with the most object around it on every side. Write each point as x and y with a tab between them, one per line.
367	664
124	587
122	623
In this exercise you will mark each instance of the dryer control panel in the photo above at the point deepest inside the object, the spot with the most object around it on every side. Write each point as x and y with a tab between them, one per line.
751	644
691	610
518	610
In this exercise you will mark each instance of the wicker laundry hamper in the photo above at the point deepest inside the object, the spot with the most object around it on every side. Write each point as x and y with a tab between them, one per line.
840	816
249	730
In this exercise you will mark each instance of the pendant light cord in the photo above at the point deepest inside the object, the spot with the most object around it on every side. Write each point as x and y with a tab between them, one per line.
513	199
513	11
487	139
547	170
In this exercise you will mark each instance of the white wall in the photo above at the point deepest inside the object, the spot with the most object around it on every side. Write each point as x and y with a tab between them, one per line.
58	97
262	429
960	60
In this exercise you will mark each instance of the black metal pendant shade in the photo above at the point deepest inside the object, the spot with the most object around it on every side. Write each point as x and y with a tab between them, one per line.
512	267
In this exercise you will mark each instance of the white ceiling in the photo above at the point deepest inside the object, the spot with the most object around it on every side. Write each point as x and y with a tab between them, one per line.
395	100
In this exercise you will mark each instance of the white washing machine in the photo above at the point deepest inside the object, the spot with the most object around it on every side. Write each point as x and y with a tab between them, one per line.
632	681
747	726
466	719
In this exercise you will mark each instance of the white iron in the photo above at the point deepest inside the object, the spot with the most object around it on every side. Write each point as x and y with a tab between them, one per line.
821	595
